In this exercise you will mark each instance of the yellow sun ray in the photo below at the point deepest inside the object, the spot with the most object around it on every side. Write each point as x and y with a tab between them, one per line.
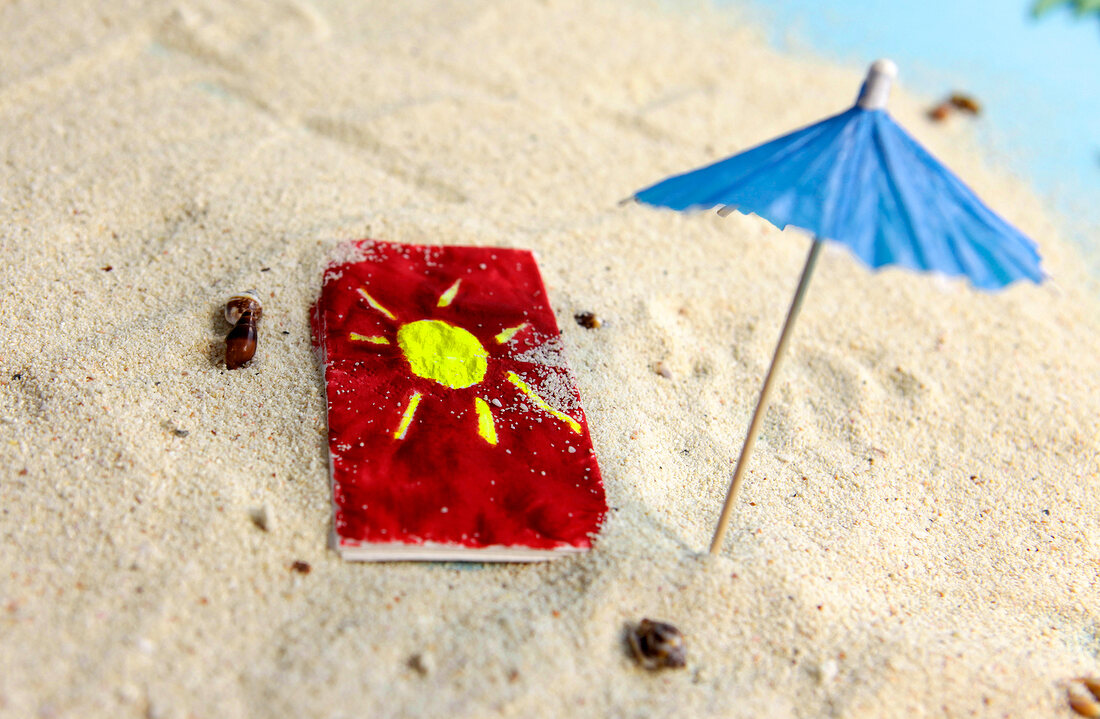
541	403
505	335
407	418
373	339
485	426
448	297
374	303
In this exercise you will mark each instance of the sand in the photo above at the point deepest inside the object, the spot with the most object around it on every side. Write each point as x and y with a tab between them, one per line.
919	534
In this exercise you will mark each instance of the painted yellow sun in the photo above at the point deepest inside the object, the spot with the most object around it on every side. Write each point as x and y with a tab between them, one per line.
453	357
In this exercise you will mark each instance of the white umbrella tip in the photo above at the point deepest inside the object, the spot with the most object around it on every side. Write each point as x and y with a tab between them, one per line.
885	66
876	88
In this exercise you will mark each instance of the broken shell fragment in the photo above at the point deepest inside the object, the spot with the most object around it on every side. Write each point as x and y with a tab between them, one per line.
263	518
657	645
966	103
1084	705
1084	697
1092	684
588	320
956	101
940	112
422	663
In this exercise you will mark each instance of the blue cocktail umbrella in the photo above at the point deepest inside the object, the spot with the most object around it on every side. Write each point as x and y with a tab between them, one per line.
855	178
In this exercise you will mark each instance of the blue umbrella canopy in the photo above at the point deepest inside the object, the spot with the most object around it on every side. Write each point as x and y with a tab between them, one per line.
859	179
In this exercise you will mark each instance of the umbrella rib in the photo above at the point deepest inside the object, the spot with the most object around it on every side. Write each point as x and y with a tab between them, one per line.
988	265
834	125
794	147
903	204
682	193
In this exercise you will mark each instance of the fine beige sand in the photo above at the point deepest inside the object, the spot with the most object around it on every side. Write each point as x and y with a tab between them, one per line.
918	537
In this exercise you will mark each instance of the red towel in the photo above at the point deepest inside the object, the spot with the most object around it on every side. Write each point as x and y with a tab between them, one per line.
455	426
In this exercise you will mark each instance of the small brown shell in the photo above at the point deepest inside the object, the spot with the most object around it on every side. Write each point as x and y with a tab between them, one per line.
657	645
242	311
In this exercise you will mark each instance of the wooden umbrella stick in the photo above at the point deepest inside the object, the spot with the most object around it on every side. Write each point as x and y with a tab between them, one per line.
762	403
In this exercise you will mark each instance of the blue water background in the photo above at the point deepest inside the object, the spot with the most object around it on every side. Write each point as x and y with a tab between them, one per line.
1038	80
